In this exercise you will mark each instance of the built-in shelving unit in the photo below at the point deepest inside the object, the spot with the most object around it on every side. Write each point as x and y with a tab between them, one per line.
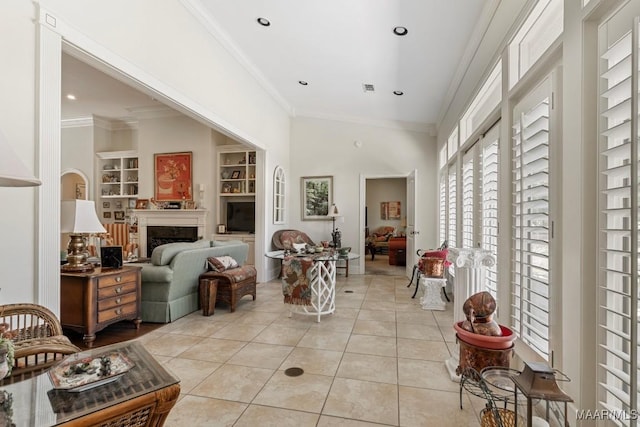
117	182
118	174
236	173
236	182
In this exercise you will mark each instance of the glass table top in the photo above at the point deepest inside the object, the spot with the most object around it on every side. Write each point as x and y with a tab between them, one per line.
324	256
35	401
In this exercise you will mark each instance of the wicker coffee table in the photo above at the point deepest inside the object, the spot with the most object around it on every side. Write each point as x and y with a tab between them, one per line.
143	396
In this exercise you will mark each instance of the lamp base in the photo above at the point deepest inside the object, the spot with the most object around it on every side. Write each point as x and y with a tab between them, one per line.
80	268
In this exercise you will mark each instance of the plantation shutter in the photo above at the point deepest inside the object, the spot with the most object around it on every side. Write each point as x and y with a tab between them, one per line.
451	204
618	221
489	238
443	205
468	199
451	235
530	219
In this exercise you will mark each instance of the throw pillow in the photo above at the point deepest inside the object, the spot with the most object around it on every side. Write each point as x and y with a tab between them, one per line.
221	263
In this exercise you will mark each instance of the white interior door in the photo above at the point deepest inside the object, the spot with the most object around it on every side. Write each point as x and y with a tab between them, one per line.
413	226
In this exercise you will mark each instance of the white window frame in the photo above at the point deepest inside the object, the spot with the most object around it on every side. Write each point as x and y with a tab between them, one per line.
279	195
542	27
618	266
452	144
533	272
488	98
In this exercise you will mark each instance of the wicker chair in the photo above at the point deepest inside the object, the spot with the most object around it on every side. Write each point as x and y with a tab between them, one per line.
37	337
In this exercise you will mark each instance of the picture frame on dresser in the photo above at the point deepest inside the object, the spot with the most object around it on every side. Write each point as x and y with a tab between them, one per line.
111	257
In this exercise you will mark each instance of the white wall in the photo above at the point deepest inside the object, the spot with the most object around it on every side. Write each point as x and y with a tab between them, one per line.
77	152
326	147
17	122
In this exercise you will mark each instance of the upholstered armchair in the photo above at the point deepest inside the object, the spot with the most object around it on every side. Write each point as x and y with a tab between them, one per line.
378	240
119	235
284	239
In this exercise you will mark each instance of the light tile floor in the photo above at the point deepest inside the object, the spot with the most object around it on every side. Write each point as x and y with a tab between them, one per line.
378	360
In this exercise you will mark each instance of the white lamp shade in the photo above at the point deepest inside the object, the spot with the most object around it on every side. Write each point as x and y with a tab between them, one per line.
13	173
333	211
79	216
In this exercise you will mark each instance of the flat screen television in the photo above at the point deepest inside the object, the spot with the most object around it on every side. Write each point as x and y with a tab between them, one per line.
241	217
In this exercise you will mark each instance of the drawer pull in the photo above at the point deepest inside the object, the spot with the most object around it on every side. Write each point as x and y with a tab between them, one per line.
118	311
118	290
118	300
119	279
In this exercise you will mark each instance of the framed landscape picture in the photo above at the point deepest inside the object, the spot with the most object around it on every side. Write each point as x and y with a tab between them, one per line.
317	196
173	176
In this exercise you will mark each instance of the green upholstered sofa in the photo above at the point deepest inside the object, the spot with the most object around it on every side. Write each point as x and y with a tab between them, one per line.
170	280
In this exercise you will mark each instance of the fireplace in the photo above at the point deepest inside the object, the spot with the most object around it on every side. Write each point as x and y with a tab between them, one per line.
170	220
159	235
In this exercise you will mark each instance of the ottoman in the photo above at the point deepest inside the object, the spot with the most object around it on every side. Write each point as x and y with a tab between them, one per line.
233	284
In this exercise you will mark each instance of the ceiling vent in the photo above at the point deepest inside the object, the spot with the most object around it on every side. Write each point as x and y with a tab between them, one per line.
368	87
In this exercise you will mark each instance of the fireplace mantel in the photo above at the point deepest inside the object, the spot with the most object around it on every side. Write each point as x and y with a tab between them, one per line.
168	217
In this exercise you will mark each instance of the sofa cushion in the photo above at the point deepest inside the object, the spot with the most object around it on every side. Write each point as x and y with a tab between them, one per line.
221	263
163	254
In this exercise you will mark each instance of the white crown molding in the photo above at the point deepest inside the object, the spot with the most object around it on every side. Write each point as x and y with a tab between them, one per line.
202	14
77	122
427	128
124	123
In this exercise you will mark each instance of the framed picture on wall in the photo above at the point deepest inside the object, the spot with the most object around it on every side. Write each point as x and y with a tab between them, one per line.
317	196
173	176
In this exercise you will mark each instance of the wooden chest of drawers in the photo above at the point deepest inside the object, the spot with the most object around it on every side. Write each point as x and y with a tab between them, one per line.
91	301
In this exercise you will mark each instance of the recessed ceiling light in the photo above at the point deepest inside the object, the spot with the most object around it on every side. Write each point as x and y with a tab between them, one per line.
400	31
302	82
263	21
398	92
71	97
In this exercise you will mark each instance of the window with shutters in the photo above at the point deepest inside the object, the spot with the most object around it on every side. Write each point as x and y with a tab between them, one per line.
442	195
279	205
489	194
468	208
480	200
531	233
618	219
452	211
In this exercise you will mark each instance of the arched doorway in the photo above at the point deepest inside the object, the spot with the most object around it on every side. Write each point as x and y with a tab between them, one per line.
74	185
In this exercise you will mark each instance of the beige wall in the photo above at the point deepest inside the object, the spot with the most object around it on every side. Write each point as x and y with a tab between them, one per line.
326	147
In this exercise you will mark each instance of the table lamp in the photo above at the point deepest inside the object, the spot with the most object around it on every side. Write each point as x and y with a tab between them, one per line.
13	173
78	217
333	214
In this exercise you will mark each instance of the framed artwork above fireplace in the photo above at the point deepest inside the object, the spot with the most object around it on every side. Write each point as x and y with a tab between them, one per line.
173	176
